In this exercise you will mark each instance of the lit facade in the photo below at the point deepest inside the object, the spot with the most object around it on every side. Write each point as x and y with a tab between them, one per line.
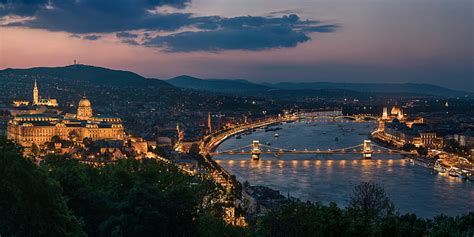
29	129
395	112
37	100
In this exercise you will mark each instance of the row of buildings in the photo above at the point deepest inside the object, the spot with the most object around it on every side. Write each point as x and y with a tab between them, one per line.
400	130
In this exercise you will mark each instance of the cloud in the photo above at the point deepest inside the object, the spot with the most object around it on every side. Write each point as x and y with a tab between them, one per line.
126	35
241	33
93	18
248	38
130	42
91	37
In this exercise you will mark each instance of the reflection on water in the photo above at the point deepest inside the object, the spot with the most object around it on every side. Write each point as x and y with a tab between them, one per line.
331	178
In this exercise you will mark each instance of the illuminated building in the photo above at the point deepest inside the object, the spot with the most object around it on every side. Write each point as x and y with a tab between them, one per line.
395	112
29	129
37	100
385	113
419	135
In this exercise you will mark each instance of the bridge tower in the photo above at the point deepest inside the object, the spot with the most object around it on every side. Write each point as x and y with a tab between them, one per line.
256	150
367	152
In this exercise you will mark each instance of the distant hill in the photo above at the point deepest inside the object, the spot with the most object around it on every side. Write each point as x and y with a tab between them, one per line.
217	85
79	72
392	88
105	76
246	87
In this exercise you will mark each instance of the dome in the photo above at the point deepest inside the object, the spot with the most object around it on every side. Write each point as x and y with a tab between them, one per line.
84	102
395	110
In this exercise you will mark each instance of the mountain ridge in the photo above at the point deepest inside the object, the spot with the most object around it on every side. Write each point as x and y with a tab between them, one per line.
108	76
239	86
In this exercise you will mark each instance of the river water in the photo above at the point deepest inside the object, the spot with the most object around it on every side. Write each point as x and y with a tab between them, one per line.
331	178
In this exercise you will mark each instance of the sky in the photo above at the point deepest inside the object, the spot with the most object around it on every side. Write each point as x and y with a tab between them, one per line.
386	41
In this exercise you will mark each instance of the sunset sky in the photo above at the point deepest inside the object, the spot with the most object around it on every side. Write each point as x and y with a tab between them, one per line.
424	41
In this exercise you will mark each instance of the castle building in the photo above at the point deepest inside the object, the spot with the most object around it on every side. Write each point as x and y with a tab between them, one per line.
29	129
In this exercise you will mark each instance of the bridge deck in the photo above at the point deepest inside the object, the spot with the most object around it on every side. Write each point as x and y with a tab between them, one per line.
309	152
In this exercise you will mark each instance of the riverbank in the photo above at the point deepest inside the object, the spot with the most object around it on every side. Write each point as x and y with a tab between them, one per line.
423	161
316	178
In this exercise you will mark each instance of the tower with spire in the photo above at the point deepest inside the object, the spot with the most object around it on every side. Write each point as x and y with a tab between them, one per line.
209	122
35	94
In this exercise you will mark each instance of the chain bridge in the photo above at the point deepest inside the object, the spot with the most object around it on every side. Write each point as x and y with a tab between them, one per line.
256	149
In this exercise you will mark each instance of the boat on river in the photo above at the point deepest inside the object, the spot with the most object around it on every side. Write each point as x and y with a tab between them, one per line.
453	173
439	168
276	135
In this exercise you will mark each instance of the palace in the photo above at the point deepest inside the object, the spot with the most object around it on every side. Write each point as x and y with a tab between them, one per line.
29	129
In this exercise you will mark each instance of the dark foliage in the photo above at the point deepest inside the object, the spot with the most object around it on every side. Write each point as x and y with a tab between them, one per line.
64	197
31	203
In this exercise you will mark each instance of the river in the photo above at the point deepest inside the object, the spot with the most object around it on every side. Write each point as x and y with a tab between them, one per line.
331	178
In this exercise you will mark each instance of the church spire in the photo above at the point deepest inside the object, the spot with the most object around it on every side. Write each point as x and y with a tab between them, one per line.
35	94
209	122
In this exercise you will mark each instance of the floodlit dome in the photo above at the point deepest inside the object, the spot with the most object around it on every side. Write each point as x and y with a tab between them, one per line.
395	110
84	102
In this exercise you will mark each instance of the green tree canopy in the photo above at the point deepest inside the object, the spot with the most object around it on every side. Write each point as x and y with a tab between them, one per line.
31	203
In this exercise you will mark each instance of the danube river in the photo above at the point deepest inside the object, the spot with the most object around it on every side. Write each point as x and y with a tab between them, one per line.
331	178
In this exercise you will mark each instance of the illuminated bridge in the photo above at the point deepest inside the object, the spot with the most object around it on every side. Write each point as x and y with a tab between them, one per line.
256	149
358	117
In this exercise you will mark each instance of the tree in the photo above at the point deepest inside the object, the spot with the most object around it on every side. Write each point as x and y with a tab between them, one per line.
87	141
451	145
159	151
210	226
55	139
35	150
31	203
194	150
408	147
73	135
304	219
422	151
370	200
129	198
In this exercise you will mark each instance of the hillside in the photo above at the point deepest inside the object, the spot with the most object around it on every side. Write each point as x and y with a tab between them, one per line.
81	72
410	88
246	87
217	85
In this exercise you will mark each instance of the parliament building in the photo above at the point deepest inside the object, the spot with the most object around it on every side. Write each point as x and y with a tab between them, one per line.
29	129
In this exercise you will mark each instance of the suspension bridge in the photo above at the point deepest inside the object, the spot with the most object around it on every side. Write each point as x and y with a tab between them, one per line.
366	149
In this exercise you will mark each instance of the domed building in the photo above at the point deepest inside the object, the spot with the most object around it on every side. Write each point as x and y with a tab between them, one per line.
395	112
29	129
84	110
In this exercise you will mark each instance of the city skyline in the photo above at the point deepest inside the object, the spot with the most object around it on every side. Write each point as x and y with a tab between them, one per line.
336	41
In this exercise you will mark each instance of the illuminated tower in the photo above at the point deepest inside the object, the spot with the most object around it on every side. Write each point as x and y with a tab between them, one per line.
209	122
400	115
179	132
35	94
385	113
